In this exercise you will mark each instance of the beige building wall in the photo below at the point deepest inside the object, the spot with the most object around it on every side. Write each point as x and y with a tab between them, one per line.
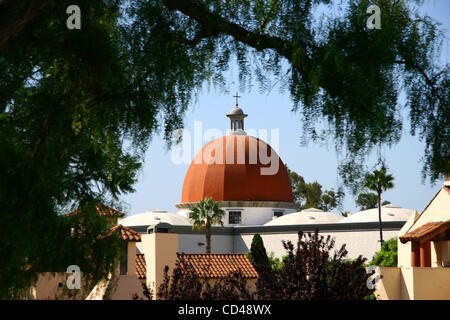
128	286
131	258
124	287
50	285
404	250
437	210
431	283
389	285
406	283
421	283
159	250
416	283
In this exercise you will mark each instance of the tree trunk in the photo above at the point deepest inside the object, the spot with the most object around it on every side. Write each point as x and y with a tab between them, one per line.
379	217
208	236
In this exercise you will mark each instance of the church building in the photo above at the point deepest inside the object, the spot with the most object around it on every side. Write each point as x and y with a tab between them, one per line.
251	182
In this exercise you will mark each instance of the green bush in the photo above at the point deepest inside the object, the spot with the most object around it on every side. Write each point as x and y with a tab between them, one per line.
387	256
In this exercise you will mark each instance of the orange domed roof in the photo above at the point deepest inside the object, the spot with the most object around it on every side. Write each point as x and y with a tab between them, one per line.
226	170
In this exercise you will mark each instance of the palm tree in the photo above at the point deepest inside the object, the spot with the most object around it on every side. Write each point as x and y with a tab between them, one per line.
379	181
204	214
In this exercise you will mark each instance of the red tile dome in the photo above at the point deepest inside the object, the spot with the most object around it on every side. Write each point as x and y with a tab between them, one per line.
239	178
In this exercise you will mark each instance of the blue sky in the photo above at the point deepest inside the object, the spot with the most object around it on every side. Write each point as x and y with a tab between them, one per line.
160	182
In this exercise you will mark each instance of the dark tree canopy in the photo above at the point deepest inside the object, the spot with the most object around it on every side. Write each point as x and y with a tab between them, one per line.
258	255
313	271
367	200
78	107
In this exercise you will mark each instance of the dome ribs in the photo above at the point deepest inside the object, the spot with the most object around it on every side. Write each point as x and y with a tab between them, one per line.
215	177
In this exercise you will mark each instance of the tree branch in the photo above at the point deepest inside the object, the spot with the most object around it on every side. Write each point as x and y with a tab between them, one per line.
213	23
14	17
431	82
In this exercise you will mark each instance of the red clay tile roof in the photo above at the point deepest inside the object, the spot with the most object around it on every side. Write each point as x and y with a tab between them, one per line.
426	232
220	265
141	266
103	211
126	233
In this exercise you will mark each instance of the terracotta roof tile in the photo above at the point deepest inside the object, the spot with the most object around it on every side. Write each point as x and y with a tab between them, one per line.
426	232
141	266
102	210
126	233
220	265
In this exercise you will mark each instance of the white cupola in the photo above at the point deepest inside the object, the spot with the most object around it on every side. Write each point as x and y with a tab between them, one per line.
237	116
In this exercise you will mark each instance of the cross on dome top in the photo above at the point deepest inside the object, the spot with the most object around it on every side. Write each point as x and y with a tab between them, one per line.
237	97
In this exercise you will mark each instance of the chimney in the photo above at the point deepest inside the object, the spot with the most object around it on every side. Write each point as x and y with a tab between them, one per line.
160	248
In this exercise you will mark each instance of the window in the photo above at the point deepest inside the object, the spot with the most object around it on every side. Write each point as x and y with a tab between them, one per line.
278	214
234	217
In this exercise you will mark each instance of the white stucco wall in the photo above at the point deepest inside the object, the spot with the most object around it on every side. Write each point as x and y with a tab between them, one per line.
364	243
250	216
189	243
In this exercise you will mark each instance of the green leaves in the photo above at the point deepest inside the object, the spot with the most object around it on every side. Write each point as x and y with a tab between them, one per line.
367	200
206	212
339	70
379	181
61	140
258	255
203	215
310	195
387	256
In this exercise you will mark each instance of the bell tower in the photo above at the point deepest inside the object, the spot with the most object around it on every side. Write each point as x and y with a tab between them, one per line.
237	116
